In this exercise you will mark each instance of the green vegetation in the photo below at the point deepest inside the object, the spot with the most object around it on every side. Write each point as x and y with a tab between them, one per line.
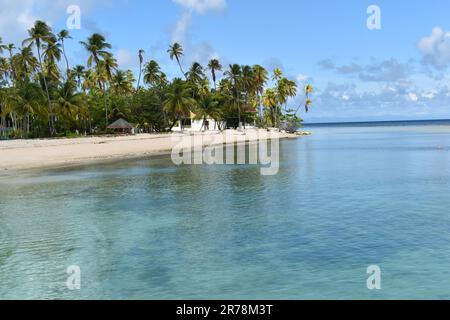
38	99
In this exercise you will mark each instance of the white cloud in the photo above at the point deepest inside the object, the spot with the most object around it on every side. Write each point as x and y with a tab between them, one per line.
181	29
17	16
436	48
301	78
202	6
412	97
125	59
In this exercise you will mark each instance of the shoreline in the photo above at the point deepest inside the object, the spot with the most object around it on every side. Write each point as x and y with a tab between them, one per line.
19	156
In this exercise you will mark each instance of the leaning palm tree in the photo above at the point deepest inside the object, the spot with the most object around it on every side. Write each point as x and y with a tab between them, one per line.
63	35
215	66
179	101
141	61
39	34
176	52
309	89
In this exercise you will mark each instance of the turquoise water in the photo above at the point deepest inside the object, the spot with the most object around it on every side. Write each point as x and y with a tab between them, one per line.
345	198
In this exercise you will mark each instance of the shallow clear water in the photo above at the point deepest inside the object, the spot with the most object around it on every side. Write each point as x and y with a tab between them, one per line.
345	198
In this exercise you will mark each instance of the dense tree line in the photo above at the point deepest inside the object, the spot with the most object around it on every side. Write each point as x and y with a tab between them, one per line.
42	95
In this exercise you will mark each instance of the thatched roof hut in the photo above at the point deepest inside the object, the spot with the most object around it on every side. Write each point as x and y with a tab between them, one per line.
121	125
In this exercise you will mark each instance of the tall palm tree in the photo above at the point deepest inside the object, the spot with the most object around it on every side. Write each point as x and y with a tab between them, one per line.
141	61
11	47
309	89
234	75
62	36
52	55
78	73
261	76
97	47
176	52
41	33
215	66
179	101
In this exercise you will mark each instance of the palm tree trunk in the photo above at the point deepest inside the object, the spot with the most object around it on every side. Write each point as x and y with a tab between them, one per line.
140	75
51	120
65	57
181	68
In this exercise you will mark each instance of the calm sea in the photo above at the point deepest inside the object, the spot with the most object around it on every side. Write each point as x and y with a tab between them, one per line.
347	197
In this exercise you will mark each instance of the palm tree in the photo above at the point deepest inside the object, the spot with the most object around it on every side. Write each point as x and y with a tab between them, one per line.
195	73
39	34
29	99
176	52
11	47
234	75
277	74
122	83
69	102
270	101
206	108
215	66
179	101
141	61
286	89
78	73
25	63
52	55
152	73
63	35
97	47
261	76
309	89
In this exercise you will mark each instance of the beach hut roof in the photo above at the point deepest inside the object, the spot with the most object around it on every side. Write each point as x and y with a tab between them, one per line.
120	124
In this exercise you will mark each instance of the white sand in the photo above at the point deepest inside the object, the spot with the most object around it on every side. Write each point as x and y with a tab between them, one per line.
17	155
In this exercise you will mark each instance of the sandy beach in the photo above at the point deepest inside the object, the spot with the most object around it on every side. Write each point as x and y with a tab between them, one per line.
19	155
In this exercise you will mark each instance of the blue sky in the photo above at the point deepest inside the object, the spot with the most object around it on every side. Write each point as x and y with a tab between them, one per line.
398	72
